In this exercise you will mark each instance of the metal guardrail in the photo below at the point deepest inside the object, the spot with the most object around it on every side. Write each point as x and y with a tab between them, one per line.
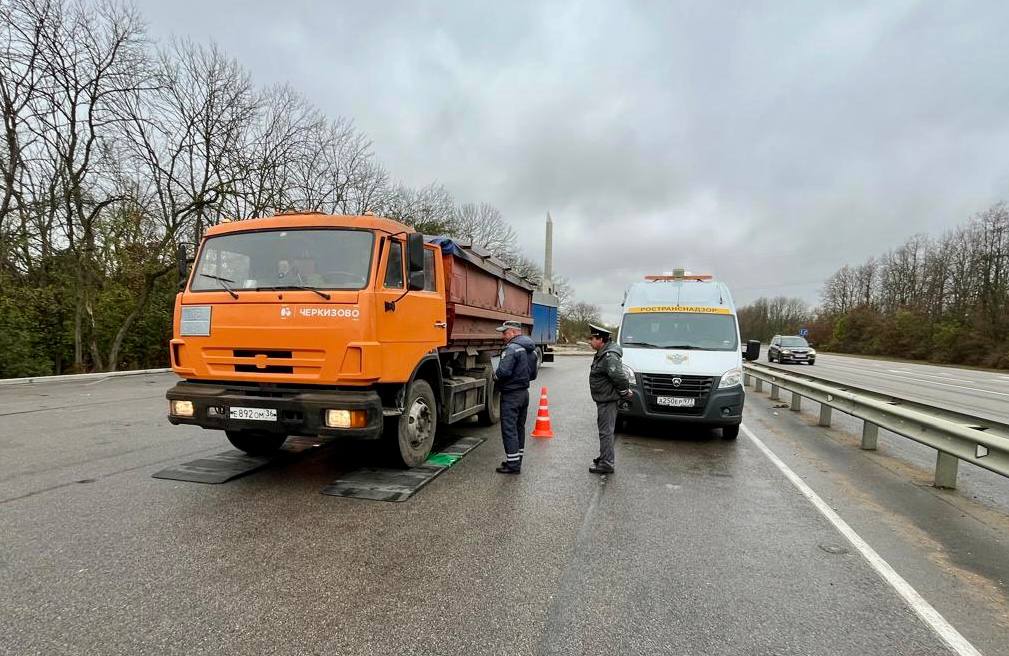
71	377
954	436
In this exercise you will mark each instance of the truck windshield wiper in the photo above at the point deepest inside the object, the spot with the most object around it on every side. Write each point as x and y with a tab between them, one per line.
299	287
224	283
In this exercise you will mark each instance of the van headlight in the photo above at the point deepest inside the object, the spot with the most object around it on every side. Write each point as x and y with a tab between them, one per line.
195	321
630	375
731	378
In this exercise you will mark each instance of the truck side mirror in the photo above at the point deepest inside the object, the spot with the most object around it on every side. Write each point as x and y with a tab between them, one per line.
752	350
182	261
415	261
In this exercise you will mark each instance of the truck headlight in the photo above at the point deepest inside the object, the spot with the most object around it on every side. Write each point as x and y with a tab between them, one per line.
731	378
182	408
630	375
346	418
195	321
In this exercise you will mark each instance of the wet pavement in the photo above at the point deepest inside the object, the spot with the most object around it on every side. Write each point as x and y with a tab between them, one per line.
696	545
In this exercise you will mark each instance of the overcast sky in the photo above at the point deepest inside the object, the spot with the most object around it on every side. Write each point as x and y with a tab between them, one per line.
767	142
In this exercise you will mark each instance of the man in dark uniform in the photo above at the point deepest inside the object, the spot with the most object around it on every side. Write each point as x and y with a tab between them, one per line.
608	384
516	369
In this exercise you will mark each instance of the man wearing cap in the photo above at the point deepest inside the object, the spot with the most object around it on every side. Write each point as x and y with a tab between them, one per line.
608	384
516	368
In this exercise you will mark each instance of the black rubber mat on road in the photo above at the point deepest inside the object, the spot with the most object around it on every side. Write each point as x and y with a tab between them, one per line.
399	484
229	465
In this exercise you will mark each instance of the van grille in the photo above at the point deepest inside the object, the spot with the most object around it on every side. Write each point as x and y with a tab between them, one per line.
697	387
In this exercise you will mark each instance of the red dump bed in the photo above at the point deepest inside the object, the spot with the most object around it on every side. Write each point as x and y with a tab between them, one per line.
481	293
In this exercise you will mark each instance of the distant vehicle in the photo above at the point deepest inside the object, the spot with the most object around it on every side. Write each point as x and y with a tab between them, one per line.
682	351
790	348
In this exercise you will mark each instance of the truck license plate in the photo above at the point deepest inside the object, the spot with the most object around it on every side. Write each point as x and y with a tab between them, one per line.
675	401
253	414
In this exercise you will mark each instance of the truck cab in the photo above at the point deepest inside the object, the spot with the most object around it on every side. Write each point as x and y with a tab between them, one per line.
350	326
682	352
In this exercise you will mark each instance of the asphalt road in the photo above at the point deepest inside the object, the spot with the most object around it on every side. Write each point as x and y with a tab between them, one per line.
971	391
695	546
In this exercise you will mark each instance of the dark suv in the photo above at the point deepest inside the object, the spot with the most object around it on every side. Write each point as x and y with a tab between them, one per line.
790	348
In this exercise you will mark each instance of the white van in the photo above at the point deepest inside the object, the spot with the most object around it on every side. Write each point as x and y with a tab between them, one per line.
682	351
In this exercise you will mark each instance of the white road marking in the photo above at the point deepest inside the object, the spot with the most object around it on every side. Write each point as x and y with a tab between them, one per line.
922	608
939	376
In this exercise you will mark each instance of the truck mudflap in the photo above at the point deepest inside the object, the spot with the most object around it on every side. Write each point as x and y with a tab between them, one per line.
297	411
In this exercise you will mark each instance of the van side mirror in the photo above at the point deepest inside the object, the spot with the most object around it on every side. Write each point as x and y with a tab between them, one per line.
752	350
415	261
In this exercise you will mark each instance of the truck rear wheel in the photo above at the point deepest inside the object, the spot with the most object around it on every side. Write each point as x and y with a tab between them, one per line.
411	436
491	414
256	443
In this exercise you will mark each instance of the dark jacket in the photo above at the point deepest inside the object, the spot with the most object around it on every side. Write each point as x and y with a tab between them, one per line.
518	361
606	376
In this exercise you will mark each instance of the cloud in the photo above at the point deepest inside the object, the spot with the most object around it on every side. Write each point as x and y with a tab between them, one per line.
769	145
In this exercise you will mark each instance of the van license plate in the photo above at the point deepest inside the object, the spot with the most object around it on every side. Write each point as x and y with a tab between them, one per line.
253	414
675	401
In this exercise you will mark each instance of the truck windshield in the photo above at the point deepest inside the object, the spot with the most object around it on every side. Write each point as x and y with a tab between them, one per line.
285	259
683	330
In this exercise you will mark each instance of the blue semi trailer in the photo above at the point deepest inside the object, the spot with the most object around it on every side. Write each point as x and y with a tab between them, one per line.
546	320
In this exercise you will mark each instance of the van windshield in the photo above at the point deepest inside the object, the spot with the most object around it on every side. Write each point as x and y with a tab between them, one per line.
285	259
682	330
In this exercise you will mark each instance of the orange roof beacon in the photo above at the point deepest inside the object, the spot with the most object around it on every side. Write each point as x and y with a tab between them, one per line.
357	326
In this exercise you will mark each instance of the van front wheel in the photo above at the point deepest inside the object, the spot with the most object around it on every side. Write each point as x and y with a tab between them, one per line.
730	432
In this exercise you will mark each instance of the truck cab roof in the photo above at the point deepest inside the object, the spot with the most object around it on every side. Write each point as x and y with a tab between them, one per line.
311	220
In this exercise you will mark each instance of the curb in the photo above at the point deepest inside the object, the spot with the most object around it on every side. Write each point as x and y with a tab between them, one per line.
73	377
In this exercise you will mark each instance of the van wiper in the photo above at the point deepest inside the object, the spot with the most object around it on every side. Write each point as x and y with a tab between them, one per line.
305	288
682	347
642	344
224	283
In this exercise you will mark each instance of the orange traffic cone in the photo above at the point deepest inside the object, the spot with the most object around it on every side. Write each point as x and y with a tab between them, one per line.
543	428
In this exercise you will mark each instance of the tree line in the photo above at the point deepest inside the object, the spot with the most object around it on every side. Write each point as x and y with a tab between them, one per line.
942	299
116	149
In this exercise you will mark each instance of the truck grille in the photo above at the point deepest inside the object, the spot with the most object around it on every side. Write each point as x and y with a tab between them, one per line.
697	387
264	361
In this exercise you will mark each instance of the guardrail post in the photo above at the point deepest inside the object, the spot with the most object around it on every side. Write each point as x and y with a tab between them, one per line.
758	385
796	402
825	414
946	467
870	435
775	392
746	380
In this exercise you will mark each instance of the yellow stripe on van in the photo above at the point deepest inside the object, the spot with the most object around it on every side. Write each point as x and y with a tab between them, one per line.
699	309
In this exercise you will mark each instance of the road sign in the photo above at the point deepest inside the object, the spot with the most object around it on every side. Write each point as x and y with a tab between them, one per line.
803	332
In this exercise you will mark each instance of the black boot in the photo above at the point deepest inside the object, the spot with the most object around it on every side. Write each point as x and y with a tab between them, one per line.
600	469
508	468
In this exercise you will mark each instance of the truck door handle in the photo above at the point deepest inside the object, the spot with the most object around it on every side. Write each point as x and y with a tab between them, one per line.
440	324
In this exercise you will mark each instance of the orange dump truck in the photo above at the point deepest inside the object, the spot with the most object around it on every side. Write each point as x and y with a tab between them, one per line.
349	326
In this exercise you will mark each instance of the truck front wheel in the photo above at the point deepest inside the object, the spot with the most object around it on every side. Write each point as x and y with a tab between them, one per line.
411	437
256	443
